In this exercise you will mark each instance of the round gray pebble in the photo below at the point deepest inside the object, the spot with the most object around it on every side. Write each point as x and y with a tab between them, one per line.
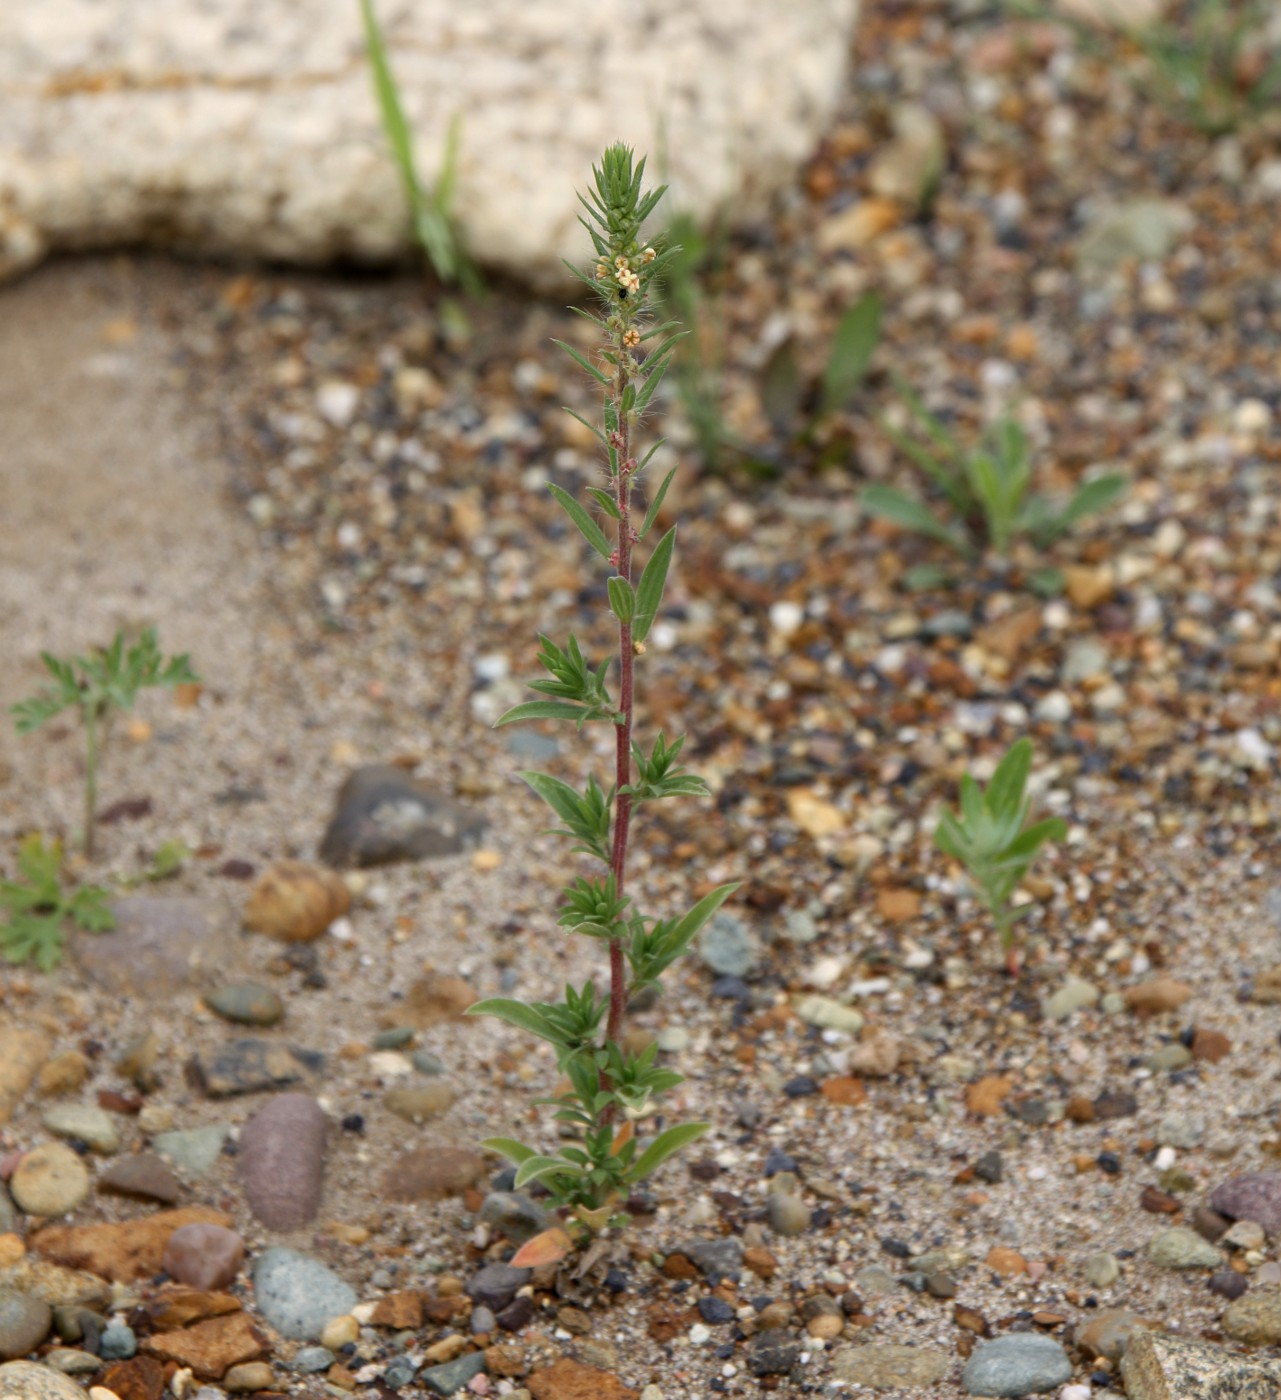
118	1342
298	1294
24	1324
1019	1363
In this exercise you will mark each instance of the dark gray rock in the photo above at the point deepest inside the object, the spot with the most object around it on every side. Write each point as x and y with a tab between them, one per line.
1255	1196
773	1352
249	1066
282	1161
450	1378
721	1258
161	944
383	814
515	1215
496	1285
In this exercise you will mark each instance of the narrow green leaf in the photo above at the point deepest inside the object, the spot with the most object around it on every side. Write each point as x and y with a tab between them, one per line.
582	360
895	505
649	592
591	427
688	926
663	1146
655	372
559	796
541	709
1004	795
780	387
606	502
535	1168
517	1014
587	527
655	505
511	1149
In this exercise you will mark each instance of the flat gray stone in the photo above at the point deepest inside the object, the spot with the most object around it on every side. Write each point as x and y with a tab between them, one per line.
234	127
26	1380
451	1377
884	1366
1019	1363
143	1175
383	814
1180	1248
251	1065
193	1150
728	947
1160	1366
24	1323
298	1294
1253	1196
161	944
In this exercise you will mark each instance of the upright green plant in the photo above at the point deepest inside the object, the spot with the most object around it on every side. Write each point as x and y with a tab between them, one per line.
992	840
98	685
609	1085
988	488
430	207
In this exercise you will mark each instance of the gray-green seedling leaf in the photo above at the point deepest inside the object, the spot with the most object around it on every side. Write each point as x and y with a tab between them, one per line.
579	358
857	336
895	505
655	505
622	600
663	1146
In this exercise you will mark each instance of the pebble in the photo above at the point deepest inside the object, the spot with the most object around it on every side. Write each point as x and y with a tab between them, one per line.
143	1175
432	1174
296	902
339	1332
117	1343
453	1375
417	1103
874	1279
1166	1058
787	1214
515	1216
383	814
1255	1319
246	1003
1072	996
297	1294
728	947
1227	1283
251	1065
309	1360
885	1366
715	1259
204	1256
772	1352
828	1013
84	1121
496	1285
1157	994
24	1323
193	1150
282	1157
25	1380
1182	1130
49	1180
247	1377
1108	1333
1018	1363
673	1039
1253	1196
1179	1248
1101	1270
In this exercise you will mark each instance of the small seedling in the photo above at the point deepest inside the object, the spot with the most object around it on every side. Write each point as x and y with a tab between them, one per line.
608	1086
990	837
988	489
98	685
38	907
429	207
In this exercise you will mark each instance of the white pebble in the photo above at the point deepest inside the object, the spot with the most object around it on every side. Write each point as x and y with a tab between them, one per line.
700	1333
1252	417
786	617
336	402
493	666
1165	1159
1075	1392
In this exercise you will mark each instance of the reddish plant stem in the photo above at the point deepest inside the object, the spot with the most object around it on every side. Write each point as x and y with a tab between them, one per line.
623	731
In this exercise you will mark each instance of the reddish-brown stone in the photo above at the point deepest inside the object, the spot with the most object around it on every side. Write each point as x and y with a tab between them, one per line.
140	1378
122	1253
211	1348
571	1380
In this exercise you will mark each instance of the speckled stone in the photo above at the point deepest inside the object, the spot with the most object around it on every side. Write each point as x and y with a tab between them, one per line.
884	1366
25	1380
1018	1363
297	1294
193	1150
416	1103
207	1257
282	1161
160	945
246	1003
1163	1366
1179	1248
249	1066
1256	1318
1109	1332
50	1180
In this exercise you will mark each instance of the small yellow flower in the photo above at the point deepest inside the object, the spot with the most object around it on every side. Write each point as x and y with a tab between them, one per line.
648	255
621	263
631	338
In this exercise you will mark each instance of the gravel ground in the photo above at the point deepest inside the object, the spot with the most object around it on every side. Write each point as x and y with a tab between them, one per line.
374	471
